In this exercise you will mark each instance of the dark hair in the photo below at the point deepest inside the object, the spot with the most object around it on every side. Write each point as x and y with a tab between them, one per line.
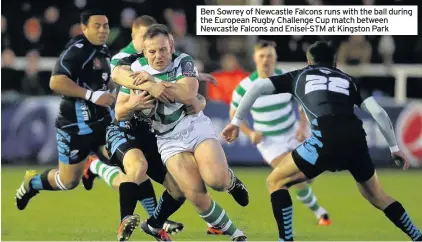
85	15
144	20
321	52
264	43
156	29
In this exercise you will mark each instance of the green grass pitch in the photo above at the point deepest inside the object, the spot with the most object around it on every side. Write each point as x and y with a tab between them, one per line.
94	215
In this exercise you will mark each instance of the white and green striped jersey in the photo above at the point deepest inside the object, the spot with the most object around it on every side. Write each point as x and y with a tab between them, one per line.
125	52
272	114
167	116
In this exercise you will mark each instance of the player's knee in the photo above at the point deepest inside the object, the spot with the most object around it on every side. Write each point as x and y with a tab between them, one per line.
219	182
71	184
135	166
274	183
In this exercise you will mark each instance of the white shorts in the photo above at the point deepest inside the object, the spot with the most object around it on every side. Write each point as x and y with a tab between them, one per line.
186	136
273	146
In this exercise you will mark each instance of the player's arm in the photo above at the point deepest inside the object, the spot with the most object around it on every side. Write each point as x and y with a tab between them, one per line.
383	121
121	110
64	76
198	104
267	86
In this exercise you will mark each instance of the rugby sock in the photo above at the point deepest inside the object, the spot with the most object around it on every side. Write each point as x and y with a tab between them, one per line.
166	207
398	215
106	172
308	198
217	217
147	197
40	182
283	214
128	192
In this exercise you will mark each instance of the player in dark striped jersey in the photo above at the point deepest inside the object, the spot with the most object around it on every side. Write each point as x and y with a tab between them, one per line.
338	140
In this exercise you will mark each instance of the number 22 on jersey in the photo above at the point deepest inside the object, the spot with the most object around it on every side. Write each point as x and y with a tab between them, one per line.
333	84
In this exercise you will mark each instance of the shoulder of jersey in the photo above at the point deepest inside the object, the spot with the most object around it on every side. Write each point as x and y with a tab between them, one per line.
79	46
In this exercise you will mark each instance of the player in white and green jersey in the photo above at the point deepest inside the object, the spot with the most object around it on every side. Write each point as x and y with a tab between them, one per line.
188	144
276	130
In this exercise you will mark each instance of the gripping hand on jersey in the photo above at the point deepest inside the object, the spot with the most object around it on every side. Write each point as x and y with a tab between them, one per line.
101	98
157	90
230	133
140	101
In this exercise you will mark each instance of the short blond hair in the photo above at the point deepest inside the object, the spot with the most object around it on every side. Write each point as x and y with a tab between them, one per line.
263	44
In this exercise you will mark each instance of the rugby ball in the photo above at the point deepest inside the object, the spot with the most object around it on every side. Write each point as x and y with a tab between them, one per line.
146	113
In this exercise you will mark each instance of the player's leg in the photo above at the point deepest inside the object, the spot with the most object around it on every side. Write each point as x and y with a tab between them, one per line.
172	198
298	166
303	190
72	156
184	169
212	162
369	186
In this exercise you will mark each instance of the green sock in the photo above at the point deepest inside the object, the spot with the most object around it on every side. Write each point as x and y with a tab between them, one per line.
307	197
217	217
106	172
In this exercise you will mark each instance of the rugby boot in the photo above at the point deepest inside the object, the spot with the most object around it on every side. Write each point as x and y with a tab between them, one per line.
172	227
127	226
240	238
214	231
324	220
25	192
238	191
158	234
89	177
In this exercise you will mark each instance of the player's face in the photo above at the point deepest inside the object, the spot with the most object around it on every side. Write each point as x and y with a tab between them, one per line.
265	59
138	38
97	30
158	52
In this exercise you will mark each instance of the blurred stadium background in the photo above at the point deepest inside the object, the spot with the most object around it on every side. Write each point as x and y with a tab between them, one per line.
35	32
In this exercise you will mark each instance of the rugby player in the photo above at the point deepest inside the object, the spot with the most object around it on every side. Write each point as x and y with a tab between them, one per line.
276	130
81	75
338	140
188	146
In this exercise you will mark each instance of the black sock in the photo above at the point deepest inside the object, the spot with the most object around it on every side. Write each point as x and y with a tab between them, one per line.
40	182
166	207
398	215
146	197
283	213
128	192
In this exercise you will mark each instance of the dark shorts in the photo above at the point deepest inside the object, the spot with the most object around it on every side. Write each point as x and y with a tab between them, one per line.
336	144
74	148
120	141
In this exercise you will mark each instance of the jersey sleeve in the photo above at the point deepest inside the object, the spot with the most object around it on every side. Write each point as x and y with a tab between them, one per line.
284	83
237	96
358	95
116	58
187	68
128	60
70	62
124	90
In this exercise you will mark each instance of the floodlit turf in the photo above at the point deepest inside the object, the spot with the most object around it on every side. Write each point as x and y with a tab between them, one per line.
94	215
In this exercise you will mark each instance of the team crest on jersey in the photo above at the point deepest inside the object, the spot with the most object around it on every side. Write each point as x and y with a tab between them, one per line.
171	75
105	76
96	64
188	68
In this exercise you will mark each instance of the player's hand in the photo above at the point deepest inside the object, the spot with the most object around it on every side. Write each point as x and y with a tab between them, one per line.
255	137
301	132
400	159
141	77
105	99
140	100
208	78
160	92
230	133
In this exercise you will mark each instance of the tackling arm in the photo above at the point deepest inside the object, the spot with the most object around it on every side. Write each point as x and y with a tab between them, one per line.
122	111
243	126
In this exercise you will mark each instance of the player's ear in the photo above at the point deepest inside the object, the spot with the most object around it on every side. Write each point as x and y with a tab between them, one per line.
83	27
